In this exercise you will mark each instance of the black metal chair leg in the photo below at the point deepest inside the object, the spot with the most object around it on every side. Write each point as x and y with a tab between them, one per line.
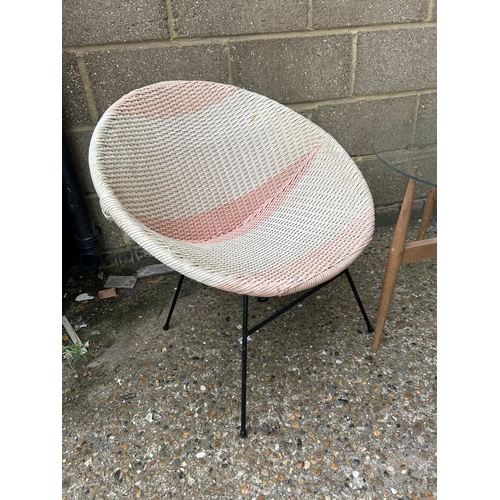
243	428
358	300
247	332
181	279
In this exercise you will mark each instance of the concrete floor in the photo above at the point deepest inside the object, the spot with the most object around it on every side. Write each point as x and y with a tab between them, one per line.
155	415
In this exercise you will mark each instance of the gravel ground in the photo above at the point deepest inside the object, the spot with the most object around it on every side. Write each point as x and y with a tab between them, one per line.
155	415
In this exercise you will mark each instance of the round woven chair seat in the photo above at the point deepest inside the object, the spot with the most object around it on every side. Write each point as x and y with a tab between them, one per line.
230	188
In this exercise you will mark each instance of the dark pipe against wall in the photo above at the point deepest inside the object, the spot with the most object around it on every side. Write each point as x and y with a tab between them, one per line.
84	232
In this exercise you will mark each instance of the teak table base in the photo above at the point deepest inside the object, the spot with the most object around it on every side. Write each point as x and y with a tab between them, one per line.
402	252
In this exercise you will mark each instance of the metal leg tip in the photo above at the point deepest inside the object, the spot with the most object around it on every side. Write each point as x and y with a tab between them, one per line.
371	329
165	327
243	433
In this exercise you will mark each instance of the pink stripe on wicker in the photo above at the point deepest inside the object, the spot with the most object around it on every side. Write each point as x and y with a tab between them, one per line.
162	101
239	216
321	264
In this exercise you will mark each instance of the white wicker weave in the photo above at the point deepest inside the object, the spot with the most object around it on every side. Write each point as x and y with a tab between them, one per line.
230	188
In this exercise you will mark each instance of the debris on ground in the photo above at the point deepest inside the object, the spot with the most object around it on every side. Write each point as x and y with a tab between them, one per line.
84	296
107	293
153	270
72	334
120	282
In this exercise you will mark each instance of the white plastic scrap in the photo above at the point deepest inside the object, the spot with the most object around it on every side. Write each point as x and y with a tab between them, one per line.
84	296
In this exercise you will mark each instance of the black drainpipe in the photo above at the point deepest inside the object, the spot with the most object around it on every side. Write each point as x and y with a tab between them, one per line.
84	232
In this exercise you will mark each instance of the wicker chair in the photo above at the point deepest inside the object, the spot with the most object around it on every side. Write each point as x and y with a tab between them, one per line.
233	190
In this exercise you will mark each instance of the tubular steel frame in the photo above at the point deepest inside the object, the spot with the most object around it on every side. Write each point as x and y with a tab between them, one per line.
250	331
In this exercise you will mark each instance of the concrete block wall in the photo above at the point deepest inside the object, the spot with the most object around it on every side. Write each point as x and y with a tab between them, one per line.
354	67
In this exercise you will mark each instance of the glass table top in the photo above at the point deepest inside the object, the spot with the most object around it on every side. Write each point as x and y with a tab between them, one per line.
411	150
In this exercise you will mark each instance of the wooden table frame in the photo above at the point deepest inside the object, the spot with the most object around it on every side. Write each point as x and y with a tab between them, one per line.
403	252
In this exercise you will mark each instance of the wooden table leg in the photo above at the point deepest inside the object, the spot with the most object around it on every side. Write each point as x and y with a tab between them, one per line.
430	204
394	262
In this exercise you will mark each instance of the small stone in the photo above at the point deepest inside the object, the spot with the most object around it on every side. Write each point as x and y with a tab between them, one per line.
281	477
376	432
355	473
245	489
307	465
299	465
203	388
202	454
